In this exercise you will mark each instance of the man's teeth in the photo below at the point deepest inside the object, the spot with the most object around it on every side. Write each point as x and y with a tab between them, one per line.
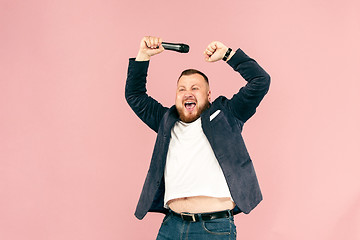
186	103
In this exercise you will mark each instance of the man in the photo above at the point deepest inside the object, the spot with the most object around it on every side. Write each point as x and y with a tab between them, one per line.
200	173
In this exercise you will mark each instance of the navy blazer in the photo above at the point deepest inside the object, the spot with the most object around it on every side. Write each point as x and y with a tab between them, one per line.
222	124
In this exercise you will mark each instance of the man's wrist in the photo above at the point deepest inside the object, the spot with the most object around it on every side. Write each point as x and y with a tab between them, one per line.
230	56
142	57
232	53
227	53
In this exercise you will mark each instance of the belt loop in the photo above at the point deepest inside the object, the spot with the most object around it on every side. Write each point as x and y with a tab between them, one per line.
200	217
230	211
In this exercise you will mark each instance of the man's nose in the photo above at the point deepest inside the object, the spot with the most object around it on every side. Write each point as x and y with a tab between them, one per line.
188	96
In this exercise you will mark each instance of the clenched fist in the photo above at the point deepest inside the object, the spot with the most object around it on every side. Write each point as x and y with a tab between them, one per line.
215	51
149	46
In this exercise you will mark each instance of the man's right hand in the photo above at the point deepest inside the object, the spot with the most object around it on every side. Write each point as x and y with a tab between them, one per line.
149	46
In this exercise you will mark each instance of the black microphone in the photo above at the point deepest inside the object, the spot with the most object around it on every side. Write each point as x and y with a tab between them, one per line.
178	47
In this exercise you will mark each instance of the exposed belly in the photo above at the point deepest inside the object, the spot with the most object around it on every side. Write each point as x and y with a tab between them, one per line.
200	204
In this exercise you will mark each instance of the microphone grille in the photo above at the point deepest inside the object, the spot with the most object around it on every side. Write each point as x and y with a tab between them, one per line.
185	48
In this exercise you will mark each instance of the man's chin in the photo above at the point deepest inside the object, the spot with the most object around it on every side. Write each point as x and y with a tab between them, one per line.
188	118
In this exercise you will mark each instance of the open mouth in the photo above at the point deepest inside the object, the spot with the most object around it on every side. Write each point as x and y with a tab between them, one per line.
190	105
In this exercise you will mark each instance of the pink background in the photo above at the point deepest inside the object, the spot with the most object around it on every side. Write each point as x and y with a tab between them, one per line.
73	156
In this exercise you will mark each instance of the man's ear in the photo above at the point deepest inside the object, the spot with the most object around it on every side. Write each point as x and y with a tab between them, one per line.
209	95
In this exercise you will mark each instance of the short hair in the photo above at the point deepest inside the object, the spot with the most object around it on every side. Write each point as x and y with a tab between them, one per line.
188	72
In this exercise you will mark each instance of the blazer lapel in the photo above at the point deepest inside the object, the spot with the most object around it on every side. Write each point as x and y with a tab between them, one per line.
170	121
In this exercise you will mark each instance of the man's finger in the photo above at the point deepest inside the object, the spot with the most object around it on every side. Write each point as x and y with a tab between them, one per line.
156	42
213	46
148	43
209	51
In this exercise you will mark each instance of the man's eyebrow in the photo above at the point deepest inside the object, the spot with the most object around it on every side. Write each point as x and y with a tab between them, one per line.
197	85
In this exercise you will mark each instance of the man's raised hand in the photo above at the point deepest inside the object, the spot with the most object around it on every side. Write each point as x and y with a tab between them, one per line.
149	46
215	51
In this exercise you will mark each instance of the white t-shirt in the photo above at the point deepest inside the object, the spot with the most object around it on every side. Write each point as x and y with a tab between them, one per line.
191	166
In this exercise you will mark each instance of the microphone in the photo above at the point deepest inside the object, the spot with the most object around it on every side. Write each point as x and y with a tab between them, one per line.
178	47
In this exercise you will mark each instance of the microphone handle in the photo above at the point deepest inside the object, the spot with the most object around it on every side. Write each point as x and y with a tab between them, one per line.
178	47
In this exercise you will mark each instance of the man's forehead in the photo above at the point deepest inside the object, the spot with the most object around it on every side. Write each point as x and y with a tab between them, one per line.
191	79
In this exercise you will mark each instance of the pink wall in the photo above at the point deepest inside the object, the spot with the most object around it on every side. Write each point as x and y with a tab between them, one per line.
69	168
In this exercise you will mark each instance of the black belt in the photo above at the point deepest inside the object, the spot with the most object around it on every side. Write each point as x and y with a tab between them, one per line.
195	217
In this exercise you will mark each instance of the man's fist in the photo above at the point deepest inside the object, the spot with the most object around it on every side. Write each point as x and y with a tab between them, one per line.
149	46
215	51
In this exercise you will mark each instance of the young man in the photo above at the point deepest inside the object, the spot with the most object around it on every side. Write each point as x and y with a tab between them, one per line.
200	174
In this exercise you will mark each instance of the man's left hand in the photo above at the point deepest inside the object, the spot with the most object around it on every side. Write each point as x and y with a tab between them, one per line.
215	51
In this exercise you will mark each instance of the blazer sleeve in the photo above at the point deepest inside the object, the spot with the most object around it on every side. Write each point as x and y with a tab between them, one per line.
244	103
145	107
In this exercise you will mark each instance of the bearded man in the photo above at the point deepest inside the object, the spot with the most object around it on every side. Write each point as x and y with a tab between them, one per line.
200	174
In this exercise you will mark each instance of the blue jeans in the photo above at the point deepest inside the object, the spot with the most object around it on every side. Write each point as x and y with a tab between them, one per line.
174	227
